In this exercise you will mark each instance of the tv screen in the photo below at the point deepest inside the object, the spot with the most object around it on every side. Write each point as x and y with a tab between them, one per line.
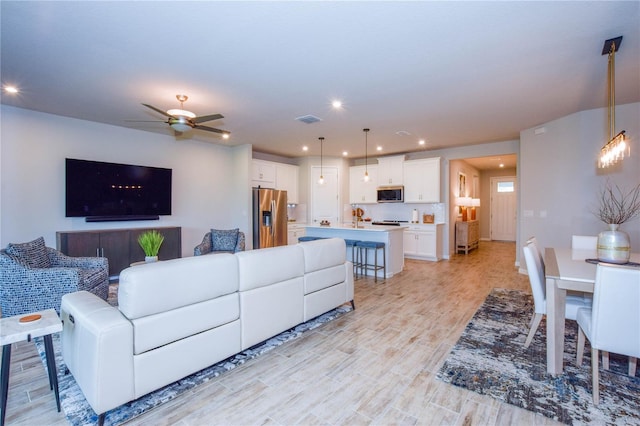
112	191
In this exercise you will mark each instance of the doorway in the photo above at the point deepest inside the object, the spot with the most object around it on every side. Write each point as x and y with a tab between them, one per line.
503	208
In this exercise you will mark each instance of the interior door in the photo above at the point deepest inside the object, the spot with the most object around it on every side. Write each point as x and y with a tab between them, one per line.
503	208
324	198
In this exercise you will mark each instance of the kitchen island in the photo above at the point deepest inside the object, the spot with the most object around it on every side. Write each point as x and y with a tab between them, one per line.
391	236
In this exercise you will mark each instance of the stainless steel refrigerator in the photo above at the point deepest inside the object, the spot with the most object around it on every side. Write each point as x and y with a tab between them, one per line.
269	218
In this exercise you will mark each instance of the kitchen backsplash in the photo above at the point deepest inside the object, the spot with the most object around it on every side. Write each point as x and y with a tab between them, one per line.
401	211
378	212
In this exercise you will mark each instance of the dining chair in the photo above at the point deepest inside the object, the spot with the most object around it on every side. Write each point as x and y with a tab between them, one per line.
584	242
536	249
536	274
613	323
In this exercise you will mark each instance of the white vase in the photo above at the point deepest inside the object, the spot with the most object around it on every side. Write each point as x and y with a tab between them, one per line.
614	246
149	259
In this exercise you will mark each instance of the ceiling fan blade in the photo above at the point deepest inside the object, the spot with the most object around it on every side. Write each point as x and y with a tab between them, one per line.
145	121
158	110
211	129
203	118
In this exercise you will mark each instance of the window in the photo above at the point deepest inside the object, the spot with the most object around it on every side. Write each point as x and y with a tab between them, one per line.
506	187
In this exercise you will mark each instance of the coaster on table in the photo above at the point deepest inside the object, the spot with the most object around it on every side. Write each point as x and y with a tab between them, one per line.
27	319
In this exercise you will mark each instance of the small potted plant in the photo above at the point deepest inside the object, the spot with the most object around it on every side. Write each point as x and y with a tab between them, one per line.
150	241
615	208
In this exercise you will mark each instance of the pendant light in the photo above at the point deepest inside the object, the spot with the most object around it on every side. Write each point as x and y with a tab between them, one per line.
366	172
321	180
616	149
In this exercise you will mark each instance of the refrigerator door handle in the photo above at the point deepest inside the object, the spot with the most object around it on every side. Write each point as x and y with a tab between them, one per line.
273	212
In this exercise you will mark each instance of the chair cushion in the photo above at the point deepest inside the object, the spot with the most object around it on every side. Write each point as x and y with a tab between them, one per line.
224	240
33	253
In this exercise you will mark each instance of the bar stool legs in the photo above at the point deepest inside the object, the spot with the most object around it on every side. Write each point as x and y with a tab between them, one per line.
355	259
365	246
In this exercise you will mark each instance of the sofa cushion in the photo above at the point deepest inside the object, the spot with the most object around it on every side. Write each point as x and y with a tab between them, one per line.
224	239
33	253
183	322
162	286
323	278
263	267
325	253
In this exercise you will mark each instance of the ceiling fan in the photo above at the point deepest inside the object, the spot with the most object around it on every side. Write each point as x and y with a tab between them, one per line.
182	120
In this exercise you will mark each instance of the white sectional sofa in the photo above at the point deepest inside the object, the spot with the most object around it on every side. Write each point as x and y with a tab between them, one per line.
179	316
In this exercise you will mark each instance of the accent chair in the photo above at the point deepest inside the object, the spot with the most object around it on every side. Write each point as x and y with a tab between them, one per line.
34	277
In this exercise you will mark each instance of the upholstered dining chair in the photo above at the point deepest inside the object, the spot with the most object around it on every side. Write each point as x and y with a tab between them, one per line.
221	241
584	242
34	277
613	322
535	271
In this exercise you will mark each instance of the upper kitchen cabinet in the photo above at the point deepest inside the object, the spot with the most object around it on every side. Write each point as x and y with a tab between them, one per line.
390	170
361	192
287	180
263	174
422	181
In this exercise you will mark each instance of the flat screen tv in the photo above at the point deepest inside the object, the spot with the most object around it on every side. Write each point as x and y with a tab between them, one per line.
108	191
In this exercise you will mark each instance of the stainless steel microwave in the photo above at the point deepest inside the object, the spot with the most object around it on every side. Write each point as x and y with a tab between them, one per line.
391	194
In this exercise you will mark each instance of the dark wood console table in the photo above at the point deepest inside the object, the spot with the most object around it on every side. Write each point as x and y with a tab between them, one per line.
120	246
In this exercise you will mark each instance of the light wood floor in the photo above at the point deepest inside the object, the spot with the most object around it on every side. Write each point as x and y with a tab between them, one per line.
376	365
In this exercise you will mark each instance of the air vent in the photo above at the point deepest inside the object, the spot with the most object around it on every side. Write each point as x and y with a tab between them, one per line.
309	119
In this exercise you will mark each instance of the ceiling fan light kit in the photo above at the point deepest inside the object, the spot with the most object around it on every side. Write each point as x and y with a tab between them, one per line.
182	120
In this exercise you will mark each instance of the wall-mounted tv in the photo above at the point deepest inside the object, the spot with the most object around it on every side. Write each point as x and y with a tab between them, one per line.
108	191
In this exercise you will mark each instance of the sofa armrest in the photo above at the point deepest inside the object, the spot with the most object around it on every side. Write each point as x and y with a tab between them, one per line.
62	260
97	347
204	247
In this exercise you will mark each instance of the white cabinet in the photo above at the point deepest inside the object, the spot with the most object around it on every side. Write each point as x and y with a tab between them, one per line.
422	181
361	192
263	174
423	242
268	174
390	170
295	232
287	180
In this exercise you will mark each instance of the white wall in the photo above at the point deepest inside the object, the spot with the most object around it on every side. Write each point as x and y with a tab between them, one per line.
34	146
559	176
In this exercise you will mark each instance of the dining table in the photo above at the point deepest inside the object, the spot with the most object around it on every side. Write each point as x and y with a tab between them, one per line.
566	269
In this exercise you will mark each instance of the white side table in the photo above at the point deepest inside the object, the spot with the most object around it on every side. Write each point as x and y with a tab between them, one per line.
12	331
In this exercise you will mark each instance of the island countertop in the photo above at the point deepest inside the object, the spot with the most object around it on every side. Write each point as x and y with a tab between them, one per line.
391	236
377	228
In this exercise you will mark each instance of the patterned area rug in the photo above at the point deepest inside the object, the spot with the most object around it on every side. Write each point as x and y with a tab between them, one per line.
79	412
490	359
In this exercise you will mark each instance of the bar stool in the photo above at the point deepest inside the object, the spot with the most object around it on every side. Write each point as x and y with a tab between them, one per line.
365	265
308	238
354	256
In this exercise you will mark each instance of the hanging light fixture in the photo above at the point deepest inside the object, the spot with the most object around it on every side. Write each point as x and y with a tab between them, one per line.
366	171
617	148
321	180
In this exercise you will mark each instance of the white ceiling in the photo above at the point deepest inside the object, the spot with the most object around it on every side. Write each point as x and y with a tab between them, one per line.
452	73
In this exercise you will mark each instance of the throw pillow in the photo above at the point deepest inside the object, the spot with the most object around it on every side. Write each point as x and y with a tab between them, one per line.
224	240
33	253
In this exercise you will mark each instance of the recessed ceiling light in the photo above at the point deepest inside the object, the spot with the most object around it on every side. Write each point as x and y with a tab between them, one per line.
379	148
305	148
336	104
345	153
225	136
501	165
11	89
421	142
